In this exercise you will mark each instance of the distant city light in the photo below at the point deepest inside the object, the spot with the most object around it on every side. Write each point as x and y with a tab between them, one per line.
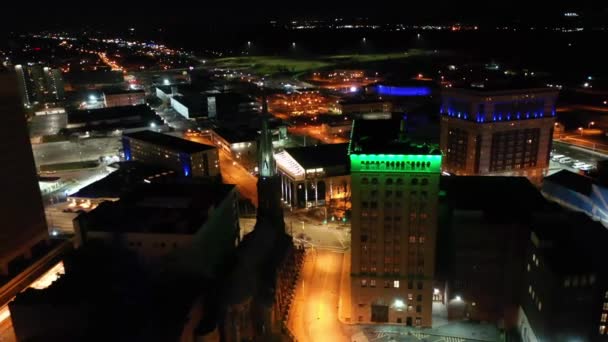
458	298
353	89
166	81
152	124
92	98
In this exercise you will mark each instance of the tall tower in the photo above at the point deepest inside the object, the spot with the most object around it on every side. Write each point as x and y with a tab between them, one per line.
269	182
395	186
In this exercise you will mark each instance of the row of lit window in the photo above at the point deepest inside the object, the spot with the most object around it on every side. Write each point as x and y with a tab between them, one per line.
395	284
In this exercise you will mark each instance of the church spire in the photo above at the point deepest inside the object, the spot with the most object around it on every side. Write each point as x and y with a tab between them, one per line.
266	163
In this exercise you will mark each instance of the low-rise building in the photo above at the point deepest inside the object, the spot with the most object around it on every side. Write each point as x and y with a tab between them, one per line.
314	175
240	144
108	120
114	97
186	157
188	226
363	105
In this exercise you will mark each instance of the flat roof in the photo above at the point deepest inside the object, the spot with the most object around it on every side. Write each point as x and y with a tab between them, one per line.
500	88
118	91
86	115
235	136
169	141
175	208
128	175
573	181
329	155
492	194
383	137
358	100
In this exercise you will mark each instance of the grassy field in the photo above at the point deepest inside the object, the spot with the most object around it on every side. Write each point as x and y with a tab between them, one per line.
272	65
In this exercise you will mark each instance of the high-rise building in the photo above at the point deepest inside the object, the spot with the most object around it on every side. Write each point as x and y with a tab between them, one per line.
23	223
497	131
395	187
39	84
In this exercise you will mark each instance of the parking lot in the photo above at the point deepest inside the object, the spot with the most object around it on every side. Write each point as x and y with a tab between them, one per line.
572	158
451	332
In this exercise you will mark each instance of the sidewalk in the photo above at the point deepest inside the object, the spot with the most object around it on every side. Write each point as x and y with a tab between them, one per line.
344	303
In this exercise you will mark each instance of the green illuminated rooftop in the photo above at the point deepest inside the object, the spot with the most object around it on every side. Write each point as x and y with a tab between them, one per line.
427	163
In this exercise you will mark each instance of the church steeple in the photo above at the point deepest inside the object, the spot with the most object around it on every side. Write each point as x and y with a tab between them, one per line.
266	163
270	211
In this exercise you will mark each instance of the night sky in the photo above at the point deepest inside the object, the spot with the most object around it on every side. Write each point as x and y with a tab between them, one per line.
233	15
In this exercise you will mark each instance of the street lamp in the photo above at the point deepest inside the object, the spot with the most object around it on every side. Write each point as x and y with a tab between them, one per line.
580	129
591	124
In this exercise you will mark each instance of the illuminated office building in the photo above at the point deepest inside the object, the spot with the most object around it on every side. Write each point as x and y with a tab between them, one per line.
189	158
395	186
497	131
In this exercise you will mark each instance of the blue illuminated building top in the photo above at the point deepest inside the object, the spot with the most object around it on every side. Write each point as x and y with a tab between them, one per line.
480	117
403	91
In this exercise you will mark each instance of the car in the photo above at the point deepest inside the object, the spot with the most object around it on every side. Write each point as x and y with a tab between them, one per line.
557	156
564	160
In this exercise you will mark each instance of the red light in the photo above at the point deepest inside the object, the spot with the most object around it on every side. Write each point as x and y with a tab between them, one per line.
37	49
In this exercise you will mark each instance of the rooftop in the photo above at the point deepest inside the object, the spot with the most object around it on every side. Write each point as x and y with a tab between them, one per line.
573	181
117	91
584	239
329	155
159	208
502	87
169	141
128	176
384	137
87	115
492	194
361	100
235	136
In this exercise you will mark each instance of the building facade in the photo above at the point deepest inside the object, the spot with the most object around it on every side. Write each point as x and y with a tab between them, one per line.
314	175
497	132
186	157
565	292
395	187
23	220
118	98
361	106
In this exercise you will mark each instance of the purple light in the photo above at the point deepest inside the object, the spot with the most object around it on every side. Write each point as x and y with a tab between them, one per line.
403	91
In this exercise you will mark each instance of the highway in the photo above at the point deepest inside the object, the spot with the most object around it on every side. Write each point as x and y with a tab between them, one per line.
314	312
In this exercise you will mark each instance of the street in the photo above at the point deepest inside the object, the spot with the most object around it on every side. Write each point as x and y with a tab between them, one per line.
314	311
233	172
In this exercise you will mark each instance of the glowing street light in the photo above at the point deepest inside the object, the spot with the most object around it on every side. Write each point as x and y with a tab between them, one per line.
166	81
591	124
458	298
152	125
580	129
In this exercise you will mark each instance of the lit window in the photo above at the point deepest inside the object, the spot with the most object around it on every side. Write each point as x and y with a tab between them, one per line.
602	329
530	289
606	306
540	305
604	317
528	267
363	282
372	283
533	257
410	296
536	261
606	295
396	284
